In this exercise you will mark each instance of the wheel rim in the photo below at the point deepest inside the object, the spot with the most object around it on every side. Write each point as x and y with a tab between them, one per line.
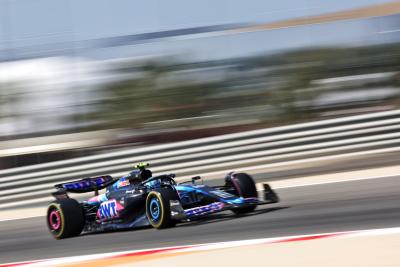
54	220
155	209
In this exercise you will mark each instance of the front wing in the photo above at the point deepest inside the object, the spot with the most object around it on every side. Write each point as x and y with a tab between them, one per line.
178	213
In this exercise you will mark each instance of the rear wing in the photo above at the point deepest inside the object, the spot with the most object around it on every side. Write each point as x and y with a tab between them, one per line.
92	184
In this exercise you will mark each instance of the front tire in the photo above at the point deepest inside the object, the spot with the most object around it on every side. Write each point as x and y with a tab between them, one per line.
246	188
65	218
158	210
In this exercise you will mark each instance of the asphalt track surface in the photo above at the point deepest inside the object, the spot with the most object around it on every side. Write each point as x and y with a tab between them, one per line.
303	210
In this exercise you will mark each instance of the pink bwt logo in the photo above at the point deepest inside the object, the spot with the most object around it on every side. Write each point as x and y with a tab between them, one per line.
108	209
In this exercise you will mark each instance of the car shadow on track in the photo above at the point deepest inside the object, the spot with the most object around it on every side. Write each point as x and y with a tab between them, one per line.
228	216
209	219
113	231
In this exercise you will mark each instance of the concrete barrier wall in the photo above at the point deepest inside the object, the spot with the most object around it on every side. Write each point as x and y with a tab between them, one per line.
371	133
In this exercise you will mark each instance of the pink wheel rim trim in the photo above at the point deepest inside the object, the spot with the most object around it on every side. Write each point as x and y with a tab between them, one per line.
55	220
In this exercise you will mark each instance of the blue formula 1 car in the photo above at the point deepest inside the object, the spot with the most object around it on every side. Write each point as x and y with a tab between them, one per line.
141	199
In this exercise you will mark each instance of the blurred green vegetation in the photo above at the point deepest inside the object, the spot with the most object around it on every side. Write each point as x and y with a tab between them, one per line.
151	96
276	88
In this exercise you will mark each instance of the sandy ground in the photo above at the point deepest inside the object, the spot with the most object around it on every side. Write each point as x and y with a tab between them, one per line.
376	251
366	249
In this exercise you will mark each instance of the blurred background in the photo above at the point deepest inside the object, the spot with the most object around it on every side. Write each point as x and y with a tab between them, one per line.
302	94
80	78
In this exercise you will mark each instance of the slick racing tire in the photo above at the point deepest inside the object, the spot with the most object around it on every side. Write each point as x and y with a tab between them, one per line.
65	218
246	188
158	210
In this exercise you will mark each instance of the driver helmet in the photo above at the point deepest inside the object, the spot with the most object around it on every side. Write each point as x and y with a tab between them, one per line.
142	165
144	173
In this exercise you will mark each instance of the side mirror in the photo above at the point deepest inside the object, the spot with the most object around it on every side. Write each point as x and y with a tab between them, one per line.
195	178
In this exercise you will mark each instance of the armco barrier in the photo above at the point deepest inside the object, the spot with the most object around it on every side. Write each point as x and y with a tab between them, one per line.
371	133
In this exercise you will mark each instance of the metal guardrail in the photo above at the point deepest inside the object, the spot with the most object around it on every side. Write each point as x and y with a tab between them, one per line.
305	142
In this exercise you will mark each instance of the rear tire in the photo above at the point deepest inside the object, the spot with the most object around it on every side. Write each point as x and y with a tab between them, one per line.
65	218
158	210
246	188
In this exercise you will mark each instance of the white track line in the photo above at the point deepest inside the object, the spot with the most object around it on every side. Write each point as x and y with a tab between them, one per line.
21	218
344	180
332	179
